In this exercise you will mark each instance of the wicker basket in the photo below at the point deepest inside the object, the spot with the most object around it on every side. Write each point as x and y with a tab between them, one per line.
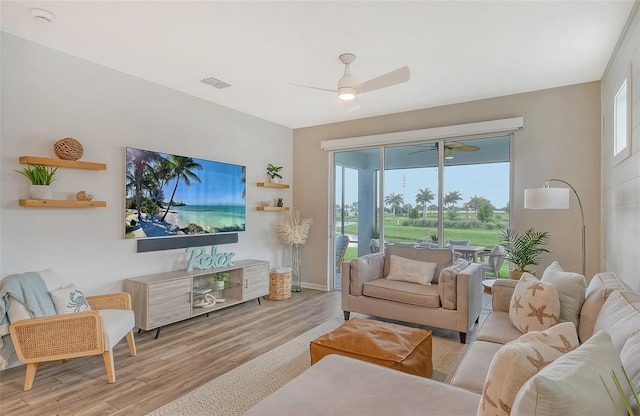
68	149
279	286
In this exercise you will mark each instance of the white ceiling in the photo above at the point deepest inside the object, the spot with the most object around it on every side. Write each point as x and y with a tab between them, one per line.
457	50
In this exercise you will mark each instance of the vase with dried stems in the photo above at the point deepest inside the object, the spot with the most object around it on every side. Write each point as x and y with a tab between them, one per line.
294	233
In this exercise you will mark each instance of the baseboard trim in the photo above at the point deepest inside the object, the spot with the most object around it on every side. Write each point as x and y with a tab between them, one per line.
314	286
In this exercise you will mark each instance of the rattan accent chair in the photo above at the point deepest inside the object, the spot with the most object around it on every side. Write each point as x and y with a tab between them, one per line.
73	335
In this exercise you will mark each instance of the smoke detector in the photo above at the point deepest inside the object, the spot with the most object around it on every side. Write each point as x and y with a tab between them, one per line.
42	15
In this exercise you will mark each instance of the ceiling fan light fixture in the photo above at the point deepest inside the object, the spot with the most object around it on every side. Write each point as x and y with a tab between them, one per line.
346	93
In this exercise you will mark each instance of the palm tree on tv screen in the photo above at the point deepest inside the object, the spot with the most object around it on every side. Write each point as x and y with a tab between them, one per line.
140	161
183	168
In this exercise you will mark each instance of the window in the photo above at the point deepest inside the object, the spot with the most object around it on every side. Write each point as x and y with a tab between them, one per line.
620	123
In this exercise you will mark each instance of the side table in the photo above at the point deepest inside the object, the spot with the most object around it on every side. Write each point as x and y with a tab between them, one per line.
487	285
279	284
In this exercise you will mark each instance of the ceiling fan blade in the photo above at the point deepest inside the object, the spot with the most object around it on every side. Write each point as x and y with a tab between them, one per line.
466	148
313	88
461	147
398	76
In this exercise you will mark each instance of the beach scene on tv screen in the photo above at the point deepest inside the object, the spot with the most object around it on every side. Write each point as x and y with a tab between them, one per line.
170	195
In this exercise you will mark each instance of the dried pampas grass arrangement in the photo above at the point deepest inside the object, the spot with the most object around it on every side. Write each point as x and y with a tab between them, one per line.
294	231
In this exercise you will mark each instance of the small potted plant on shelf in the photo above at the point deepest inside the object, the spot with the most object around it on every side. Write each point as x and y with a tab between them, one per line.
524	250
273	172
220	278
41	177
279	203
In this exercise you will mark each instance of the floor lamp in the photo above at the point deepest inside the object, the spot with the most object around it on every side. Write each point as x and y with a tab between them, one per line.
555	198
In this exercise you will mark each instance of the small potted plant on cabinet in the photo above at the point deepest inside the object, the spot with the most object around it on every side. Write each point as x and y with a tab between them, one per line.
524	250
220	278
41	178
273	172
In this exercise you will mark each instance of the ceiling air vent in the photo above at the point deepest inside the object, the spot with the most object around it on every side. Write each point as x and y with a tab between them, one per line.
214	82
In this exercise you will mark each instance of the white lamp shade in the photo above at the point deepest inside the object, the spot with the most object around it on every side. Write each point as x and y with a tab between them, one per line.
546	198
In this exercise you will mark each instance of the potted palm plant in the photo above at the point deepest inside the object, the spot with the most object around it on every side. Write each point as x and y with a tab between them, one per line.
374	244
41	177
524	250
273	172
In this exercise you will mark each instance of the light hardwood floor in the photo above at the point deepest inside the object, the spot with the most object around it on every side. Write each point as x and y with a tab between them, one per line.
185	356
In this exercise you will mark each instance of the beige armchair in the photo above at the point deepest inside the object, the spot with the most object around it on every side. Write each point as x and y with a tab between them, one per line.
451	301
73	335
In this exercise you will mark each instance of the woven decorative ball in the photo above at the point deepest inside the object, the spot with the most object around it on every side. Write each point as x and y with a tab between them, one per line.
68	149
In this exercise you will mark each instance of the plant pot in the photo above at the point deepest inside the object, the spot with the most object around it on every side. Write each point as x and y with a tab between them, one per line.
517	274
374	245
219	285
274	180
41	192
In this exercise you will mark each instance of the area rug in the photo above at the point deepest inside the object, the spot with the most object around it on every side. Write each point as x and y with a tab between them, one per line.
236	391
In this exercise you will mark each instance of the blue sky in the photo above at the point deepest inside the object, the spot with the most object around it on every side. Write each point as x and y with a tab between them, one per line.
220	185
486	180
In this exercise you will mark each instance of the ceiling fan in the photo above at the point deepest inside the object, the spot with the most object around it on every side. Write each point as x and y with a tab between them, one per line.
449	147
348	88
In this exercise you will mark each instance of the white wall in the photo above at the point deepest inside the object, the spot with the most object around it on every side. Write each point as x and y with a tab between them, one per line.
48	95
621	179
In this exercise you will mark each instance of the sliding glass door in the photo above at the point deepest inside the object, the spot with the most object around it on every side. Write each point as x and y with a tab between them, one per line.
430	194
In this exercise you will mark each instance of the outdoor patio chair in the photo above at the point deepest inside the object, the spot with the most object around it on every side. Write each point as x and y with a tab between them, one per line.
494	262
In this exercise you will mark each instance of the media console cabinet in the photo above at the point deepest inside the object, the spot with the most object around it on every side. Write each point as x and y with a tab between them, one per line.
164	298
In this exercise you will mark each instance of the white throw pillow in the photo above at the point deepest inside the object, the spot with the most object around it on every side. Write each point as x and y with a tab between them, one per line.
69	299
447	283
631	363
412	271
534	306
518	361
619	316
571	385
570	287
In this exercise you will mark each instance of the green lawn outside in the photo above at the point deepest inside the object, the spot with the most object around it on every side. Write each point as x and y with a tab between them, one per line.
400	233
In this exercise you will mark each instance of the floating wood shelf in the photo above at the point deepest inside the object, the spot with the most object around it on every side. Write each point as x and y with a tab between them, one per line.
61	203
273	185
272	208
35	160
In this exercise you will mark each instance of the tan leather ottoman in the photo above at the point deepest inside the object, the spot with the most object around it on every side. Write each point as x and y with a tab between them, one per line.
390	345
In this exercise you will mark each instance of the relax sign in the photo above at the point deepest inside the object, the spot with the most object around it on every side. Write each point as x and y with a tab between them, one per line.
200	259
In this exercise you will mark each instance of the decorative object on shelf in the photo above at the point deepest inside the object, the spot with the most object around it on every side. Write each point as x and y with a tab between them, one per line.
68	149
295	233
220	278
279	203
83	196
203	261
206	302
41	177
524	250
273	172
555	198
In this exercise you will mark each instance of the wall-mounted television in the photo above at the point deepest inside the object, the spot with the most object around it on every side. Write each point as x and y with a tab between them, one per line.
169	195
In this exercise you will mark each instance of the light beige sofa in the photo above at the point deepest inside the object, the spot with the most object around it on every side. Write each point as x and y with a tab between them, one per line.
340	385
452	301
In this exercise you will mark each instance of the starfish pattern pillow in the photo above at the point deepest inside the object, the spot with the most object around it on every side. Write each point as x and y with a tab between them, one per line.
518	361
535	305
